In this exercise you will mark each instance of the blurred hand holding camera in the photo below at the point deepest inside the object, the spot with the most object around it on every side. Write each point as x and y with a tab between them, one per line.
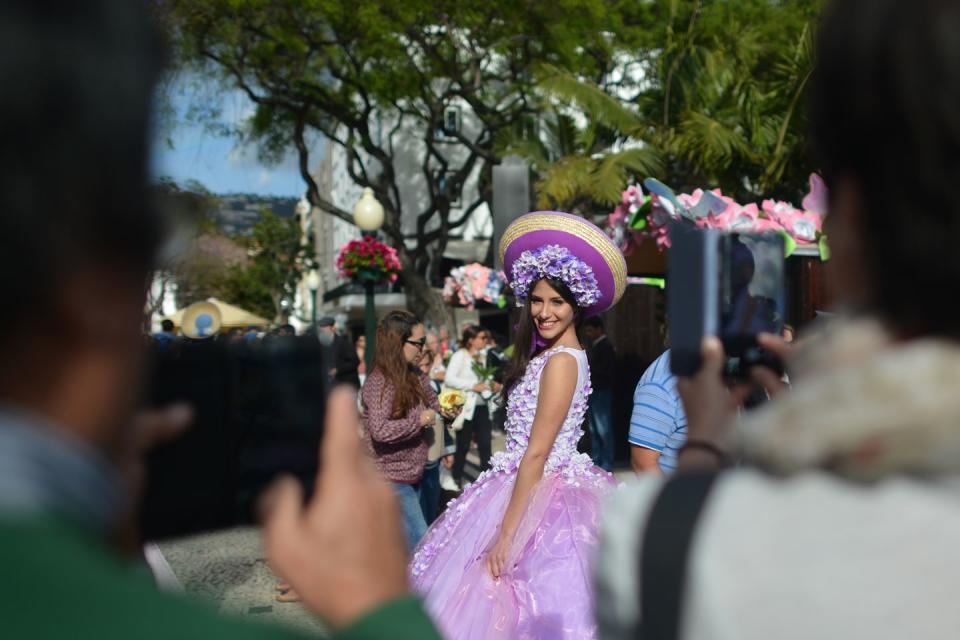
344	552
148	429
711	403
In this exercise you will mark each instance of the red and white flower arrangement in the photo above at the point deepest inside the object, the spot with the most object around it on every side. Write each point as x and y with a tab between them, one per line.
368	260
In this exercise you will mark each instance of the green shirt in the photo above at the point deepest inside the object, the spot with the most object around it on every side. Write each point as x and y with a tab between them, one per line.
58	582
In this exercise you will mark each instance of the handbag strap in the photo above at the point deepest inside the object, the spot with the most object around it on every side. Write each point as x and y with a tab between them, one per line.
665	554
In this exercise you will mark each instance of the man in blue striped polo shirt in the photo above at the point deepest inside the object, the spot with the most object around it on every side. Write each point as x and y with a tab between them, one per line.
658	425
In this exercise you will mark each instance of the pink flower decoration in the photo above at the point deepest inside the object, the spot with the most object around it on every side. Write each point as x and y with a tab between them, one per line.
632	198
735	218
762	225
816	199
804	226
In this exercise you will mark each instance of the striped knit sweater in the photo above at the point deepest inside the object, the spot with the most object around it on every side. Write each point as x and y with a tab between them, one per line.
398	445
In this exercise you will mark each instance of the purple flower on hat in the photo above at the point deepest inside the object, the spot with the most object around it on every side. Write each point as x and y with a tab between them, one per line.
556	262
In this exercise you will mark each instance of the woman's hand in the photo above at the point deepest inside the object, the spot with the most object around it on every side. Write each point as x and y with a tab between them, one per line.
427	417
499	555
451	414
480	387
447	462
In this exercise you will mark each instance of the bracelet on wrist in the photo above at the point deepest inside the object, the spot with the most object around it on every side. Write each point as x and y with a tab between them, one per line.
724	459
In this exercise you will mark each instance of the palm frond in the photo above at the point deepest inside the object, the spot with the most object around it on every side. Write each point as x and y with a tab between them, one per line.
598	105
612	173
564	182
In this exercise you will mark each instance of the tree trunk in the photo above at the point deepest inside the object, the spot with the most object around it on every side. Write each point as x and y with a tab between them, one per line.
425	301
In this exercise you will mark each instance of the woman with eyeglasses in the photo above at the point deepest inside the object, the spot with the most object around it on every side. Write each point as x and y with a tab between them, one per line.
399	410
475	424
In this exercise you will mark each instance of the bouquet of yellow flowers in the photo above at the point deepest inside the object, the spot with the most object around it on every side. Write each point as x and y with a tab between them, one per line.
451	398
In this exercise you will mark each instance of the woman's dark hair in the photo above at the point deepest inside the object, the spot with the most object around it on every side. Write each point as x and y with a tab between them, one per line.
392	333
470	332
885	115
523	339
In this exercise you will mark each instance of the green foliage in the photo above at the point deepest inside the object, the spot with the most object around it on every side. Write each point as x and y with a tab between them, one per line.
279	259
374	77
259	273
711	92
247	290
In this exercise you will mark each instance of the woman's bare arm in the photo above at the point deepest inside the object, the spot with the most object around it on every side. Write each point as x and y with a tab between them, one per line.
557	385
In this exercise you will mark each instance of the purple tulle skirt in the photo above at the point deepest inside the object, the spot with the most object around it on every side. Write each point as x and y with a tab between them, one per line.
547	593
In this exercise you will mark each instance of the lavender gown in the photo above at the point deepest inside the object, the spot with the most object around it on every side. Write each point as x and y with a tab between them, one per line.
547	593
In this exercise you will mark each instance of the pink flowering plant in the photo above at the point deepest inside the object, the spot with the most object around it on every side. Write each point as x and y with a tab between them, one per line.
713	210
368	260
470	284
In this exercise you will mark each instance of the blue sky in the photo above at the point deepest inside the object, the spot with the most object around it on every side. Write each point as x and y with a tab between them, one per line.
184	149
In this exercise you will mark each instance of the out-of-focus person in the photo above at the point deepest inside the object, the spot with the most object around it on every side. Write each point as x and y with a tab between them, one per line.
476	425
603	369
658	424
344	356
444	337
399	409
439	453
844	521
166	336
788	333
361	346
80	234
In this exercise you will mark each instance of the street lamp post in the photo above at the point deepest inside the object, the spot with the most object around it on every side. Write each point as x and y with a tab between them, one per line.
368	216
313	283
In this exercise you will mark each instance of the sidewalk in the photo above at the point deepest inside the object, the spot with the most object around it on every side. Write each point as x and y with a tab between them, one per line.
228	568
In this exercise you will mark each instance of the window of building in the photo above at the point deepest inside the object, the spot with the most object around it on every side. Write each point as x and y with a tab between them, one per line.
447	186
450	125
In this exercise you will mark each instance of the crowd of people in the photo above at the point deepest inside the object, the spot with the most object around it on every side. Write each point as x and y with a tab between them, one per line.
838	520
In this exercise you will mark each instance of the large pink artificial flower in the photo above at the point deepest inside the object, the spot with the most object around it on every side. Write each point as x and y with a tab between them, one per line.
735	218
816	199
803	226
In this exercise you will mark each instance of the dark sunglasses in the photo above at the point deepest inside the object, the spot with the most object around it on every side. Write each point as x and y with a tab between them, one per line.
419	344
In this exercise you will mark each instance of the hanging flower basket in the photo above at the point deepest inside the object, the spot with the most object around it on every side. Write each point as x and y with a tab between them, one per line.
465	286
649	215
368	261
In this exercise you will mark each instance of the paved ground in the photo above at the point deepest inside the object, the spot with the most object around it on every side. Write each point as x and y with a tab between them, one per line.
228	568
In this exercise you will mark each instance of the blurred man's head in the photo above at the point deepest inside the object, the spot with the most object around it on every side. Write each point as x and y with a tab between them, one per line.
167	326
885	113
327	324
592	327
79	235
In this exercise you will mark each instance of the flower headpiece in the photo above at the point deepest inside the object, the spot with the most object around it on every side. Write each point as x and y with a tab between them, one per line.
569	248
556	262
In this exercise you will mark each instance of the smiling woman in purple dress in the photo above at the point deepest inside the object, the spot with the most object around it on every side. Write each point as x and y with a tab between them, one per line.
511	557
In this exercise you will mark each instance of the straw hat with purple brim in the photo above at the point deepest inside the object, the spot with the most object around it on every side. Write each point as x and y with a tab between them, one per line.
566	244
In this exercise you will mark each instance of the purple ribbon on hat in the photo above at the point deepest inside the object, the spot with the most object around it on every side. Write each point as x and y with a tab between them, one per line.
538	340
537	343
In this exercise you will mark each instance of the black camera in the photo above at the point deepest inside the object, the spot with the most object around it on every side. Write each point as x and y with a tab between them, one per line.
259	411
728	285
